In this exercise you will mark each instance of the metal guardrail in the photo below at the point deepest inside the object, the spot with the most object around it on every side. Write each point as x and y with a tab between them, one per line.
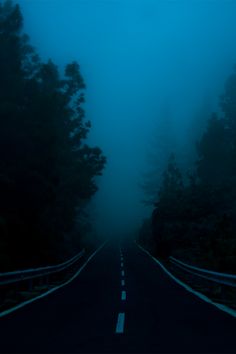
217	277
30	274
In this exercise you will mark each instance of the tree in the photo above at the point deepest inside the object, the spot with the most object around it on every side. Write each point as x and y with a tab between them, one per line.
214	160
172	185
160	149
167	208
196	220
47	170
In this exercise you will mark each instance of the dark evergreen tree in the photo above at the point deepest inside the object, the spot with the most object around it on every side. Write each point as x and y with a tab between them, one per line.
161	146
47	171
196	220
214	153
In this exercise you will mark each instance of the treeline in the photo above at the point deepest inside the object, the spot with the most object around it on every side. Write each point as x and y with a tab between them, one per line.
47	171
194	217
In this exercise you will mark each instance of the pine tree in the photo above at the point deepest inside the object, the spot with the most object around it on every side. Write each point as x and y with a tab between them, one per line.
47	170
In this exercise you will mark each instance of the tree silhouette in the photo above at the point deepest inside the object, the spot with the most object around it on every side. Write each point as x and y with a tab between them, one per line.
161	147
47	170
196	219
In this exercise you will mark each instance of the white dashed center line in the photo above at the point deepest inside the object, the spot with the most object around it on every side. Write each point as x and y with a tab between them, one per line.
120	323
123	295
121	316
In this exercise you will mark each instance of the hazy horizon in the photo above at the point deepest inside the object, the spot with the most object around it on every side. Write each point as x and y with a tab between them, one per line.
136	56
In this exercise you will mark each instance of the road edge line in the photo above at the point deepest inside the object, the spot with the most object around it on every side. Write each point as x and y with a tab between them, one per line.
221	307
27	302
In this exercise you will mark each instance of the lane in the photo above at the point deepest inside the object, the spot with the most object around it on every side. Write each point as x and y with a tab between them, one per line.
163	317
81	317
112	307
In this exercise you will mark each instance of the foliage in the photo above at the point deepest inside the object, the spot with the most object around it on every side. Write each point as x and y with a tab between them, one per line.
196	220
160	149
47	171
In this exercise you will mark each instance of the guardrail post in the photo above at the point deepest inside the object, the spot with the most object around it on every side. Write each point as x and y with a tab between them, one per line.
30	286
24	279
209	275
41	282
218	290
2	295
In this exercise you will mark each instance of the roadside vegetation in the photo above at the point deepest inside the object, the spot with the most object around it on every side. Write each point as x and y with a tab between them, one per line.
194	213
47	169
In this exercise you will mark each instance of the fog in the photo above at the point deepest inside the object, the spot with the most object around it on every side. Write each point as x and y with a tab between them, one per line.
137	56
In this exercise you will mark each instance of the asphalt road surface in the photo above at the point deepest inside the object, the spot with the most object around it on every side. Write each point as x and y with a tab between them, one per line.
121	302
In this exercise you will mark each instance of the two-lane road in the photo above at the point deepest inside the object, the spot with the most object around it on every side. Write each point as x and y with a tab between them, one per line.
121	302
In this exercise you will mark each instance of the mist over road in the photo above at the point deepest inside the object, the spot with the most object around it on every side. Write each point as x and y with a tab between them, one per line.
121	302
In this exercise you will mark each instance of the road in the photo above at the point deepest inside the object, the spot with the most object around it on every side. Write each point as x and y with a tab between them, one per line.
121	302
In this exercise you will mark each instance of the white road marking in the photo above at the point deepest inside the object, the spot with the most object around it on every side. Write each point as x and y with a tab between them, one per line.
7	312
120	323
123	295
122	282
122	264
188	288
122	273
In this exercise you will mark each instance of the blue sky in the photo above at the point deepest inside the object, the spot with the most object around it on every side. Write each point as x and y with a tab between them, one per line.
135	55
